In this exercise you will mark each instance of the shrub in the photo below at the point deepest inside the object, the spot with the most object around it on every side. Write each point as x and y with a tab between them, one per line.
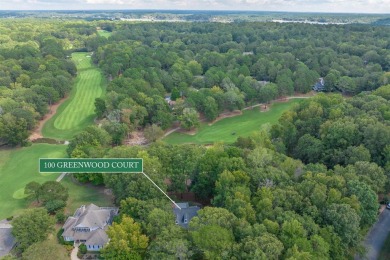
60	216
61	239
53	205
83	249
69	248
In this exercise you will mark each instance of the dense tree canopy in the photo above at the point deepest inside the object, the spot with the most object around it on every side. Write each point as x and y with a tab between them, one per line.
31	227
265	204
34	73
333	131
126	241
306	188
217	67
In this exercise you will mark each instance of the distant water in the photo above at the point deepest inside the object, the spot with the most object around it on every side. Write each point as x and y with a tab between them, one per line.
303	21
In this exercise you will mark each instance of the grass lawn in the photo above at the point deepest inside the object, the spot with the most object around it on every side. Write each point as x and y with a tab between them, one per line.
104	33
83	194
19	167
77	112
242	125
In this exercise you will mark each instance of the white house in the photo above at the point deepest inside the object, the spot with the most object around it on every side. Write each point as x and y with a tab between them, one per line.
88	225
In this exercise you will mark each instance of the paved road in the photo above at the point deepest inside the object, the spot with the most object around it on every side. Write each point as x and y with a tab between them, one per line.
377	235
5	225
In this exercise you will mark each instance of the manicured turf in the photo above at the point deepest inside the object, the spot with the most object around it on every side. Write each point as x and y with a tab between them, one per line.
104	33
77	111
83	194
19	167
227	130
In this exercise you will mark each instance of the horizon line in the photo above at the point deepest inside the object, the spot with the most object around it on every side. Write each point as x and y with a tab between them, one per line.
195	10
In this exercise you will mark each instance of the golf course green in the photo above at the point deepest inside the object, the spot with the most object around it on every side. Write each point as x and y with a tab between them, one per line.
19	167
77	112
228	129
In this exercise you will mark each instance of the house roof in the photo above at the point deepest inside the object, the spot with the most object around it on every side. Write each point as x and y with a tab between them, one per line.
99	237
183	205
319	85
93	217
69	224
185	214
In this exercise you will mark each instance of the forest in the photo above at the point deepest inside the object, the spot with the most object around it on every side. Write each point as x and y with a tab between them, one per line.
204	68
210	68
260	203
305	188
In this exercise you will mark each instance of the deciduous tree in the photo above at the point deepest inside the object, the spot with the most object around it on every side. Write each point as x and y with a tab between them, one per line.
32	226
126	240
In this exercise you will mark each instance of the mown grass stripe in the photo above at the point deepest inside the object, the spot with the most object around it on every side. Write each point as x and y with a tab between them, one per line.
78	111
83	104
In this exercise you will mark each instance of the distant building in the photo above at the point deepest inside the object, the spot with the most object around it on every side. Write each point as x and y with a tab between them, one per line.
319	86
7	241
263	82
88	225
185	214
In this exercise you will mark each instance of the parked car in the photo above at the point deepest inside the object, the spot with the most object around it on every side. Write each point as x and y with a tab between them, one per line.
388	206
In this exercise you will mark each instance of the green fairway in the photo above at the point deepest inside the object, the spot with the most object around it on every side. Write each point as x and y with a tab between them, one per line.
227	130
104	33
77	111
19	167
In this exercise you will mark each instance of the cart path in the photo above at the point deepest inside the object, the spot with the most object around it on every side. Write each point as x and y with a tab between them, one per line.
37	133
61	176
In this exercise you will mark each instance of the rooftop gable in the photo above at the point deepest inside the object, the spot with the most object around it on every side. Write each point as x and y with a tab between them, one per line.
185	214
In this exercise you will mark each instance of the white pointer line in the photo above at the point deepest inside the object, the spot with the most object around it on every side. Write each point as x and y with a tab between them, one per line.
160	189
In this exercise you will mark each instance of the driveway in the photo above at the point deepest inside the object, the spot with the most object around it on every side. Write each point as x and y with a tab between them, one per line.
73	255
7	241
377	236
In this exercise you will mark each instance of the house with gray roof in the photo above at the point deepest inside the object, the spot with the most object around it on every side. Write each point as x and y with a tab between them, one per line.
88	226
185	214
319	86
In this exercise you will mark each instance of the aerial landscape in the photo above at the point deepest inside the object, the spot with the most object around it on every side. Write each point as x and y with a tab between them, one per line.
194	129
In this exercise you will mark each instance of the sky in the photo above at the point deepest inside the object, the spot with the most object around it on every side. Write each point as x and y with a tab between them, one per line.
338	6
